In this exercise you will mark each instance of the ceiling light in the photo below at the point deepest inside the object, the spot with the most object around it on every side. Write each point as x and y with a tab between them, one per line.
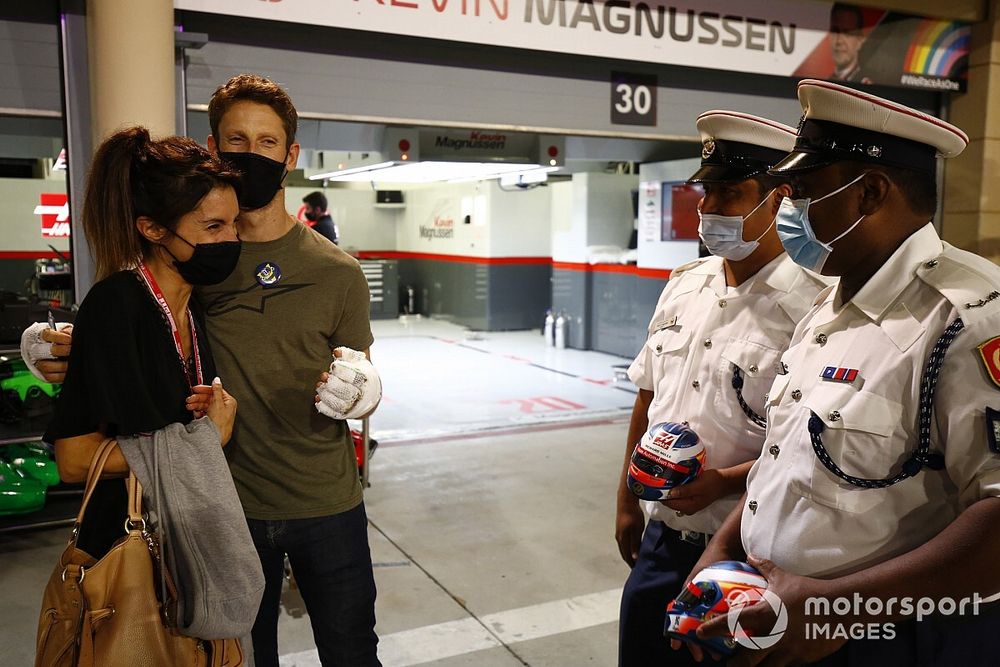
527	177
425	172
333	175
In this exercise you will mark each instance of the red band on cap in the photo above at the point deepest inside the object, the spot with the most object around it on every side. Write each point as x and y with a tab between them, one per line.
888	104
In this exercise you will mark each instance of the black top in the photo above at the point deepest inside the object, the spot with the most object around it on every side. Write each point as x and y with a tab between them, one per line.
324	225
125	375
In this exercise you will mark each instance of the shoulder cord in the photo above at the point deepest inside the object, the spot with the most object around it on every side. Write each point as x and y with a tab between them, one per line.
923	456
747	410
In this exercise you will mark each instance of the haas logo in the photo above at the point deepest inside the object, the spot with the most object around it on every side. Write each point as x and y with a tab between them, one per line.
54	209
665	439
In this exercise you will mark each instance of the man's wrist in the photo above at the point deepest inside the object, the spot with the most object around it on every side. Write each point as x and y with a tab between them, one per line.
627	499
735	479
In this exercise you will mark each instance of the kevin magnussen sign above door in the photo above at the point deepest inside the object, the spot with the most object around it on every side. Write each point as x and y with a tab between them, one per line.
777	37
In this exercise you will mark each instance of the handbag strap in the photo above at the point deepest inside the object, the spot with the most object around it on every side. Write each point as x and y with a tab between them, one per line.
97	464
99	460
134	499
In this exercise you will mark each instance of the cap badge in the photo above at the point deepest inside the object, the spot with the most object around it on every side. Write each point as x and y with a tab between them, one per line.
874	151
707	149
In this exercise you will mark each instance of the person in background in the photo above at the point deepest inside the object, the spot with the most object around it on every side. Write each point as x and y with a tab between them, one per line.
317	214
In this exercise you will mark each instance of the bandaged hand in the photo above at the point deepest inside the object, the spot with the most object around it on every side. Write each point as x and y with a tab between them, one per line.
40	343
352	387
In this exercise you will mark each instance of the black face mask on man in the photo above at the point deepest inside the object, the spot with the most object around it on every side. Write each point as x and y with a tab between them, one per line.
261	178
312	216
210	264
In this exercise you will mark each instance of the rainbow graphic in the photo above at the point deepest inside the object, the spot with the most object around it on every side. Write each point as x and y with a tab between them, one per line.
937	48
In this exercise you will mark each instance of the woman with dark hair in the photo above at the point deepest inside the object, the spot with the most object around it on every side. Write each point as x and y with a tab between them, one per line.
160	219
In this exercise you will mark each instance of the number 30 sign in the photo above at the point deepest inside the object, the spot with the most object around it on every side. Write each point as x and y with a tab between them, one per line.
633	99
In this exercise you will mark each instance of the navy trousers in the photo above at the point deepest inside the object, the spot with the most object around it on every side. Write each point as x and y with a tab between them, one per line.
664	563
333	569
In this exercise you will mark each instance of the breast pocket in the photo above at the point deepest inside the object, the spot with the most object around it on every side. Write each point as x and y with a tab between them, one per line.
757	364
863	436
668	349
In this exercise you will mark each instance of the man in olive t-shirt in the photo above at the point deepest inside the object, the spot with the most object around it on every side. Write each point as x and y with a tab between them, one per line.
271	324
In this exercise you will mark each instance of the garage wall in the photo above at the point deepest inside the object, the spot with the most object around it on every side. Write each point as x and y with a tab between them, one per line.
30	127
361	225
20	229
29	67
353	73
490	274
331	71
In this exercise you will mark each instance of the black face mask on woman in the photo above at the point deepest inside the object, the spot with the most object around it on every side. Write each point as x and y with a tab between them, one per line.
260	179
210	264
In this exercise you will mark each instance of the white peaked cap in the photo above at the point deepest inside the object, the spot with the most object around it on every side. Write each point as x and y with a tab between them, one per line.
840	123
736	146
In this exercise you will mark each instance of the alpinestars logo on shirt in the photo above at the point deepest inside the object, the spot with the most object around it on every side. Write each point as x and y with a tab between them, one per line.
253	298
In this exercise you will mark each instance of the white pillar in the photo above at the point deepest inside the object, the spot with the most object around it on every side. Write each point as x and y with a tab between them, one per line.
131	58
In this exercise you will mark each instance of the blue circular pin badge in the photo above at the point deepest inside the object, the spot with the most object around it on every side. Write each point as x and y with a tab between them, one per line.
268	274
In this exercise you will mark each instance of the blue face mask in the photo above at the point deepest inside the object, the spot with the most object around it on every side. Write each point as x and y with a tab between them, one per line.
799	238
723	234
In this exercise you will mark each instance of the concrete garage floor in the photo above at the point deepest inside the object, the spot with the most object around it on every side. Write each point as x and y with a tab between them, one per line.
492	537
442	380
493	551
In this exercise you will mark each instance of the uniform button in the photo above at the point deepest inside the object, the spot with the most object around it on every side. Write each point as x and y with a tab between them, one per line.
821	338
752	369
708	342
834	416
753	506
796	394
722	303
695	384
931	264
659	348
774	450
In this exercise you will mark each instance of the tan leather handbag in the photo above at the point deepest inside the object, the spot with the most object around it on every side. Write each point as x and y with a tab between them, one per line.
107	612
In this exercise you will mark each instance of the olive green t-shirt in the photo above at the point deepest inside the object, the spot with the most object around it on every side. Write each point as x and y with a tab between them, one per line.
272	325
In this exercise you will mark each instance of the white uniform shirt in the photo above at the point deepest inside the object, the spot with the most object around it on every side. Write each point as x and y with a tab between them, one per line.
809	521
697	335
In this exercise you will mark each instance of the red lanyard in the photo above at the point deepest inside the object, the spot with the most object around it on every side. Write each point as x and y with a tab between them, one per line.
154	289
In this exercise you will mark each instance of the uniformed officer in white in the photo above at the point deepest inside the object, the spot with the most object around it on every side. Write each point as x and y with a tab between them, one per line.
880	472
719	319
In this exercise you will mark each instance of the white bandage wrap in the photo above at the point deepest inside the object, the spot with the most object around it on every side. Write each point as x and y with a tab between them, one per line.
34	349
354	387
